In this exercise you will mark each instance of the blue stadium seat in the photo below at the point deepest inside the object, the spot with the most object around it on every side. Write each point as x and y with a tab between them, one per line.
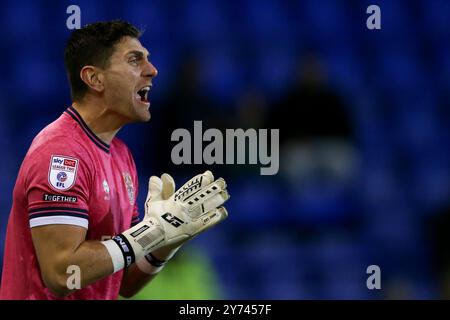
221	75
379	183
24	20
38	77
430	181
399	72
322	204
414	121
151	16
346	70
266	23
394	229
435	17
274	247
327	21
253	205
203	22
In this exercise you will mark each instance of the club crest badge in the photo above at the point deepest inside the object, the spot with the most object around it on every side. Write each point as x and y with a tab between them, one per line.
106	190
129	186
105	186
62	173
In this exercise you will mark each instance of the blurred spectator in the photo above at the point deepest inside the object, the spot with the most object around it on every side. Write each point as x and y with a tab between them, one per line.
318	155
316	134
251	111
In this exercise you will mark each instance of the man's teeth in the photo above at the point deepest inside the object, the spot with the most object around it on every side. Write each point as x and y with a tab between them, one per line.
147	88
144	93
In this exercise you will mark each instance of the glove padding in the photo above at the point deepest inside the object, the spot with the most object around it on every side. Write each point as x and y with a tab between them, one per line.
172	218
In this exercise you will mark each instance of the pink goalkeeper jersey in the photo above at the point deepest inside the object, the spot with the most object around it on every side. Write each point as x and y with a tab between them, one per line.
69	176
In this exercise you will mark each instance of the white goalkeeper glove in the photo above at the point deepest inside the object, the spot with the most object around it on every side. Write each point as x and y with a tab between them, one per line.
171	218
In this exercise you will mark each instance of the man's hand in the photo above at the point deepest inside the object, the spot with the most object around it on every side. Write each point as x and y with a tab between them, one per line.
172	218
195	207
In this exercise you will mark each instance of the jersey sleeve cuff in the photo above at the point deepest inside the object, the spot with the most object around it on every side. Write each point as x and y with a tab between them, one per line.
58	215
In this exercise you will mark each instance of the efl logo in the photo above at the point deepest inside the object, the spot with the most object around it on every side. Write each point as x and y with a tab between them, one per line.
62	172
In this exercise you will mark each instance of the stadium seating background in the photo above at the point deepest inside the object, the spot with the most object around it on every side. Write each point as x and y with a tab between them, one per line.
278	243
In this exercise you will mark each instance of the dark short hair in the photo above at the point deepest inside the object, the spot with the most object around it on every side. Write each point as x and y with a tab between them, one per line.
93	45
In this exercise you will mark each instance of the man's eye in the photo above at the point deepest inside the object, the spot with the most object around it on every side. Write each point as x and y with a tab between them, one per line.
133	61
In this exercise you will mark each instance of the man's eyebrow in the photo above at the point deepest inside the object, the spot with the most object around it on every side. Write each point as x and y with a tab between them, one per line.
138	53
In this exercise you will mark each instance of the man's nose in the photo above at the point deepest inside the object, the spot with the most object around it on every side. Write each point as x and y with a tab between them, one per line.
150	70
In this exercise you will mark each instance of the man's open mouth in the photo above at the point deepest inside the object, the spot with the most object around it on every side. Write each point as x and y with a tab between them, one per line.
143	93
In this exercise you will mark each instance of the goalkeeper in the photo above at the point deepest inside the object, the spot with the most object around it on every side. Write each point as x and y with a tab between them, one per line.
74	229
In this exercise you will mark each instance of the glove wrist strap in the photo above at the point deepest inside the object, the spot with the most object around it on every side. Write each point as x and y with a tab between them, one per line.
134	244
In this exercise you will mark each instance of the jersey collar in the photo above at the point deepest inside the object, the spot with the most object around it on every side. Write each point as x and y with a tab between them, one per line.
97	141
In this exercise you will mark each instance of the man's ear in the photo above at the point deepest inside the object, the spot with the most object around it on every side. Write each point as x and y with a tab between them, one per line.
93	78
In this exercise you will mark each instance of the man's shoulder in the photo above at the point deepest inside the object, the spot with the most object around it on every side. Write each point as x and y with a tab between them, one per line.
60	136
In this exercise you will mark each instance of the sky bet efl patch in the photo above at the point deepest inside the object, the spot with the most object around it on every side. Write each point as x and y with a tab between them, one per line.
63	172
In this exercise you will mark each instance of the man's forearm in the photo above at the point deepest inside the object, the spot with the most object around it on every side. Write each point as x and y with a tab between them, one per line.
90	260
67	261
94	263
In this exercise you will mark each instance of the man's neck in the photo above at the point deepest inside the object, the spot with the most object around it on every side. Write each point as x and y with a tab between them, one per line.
99	119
